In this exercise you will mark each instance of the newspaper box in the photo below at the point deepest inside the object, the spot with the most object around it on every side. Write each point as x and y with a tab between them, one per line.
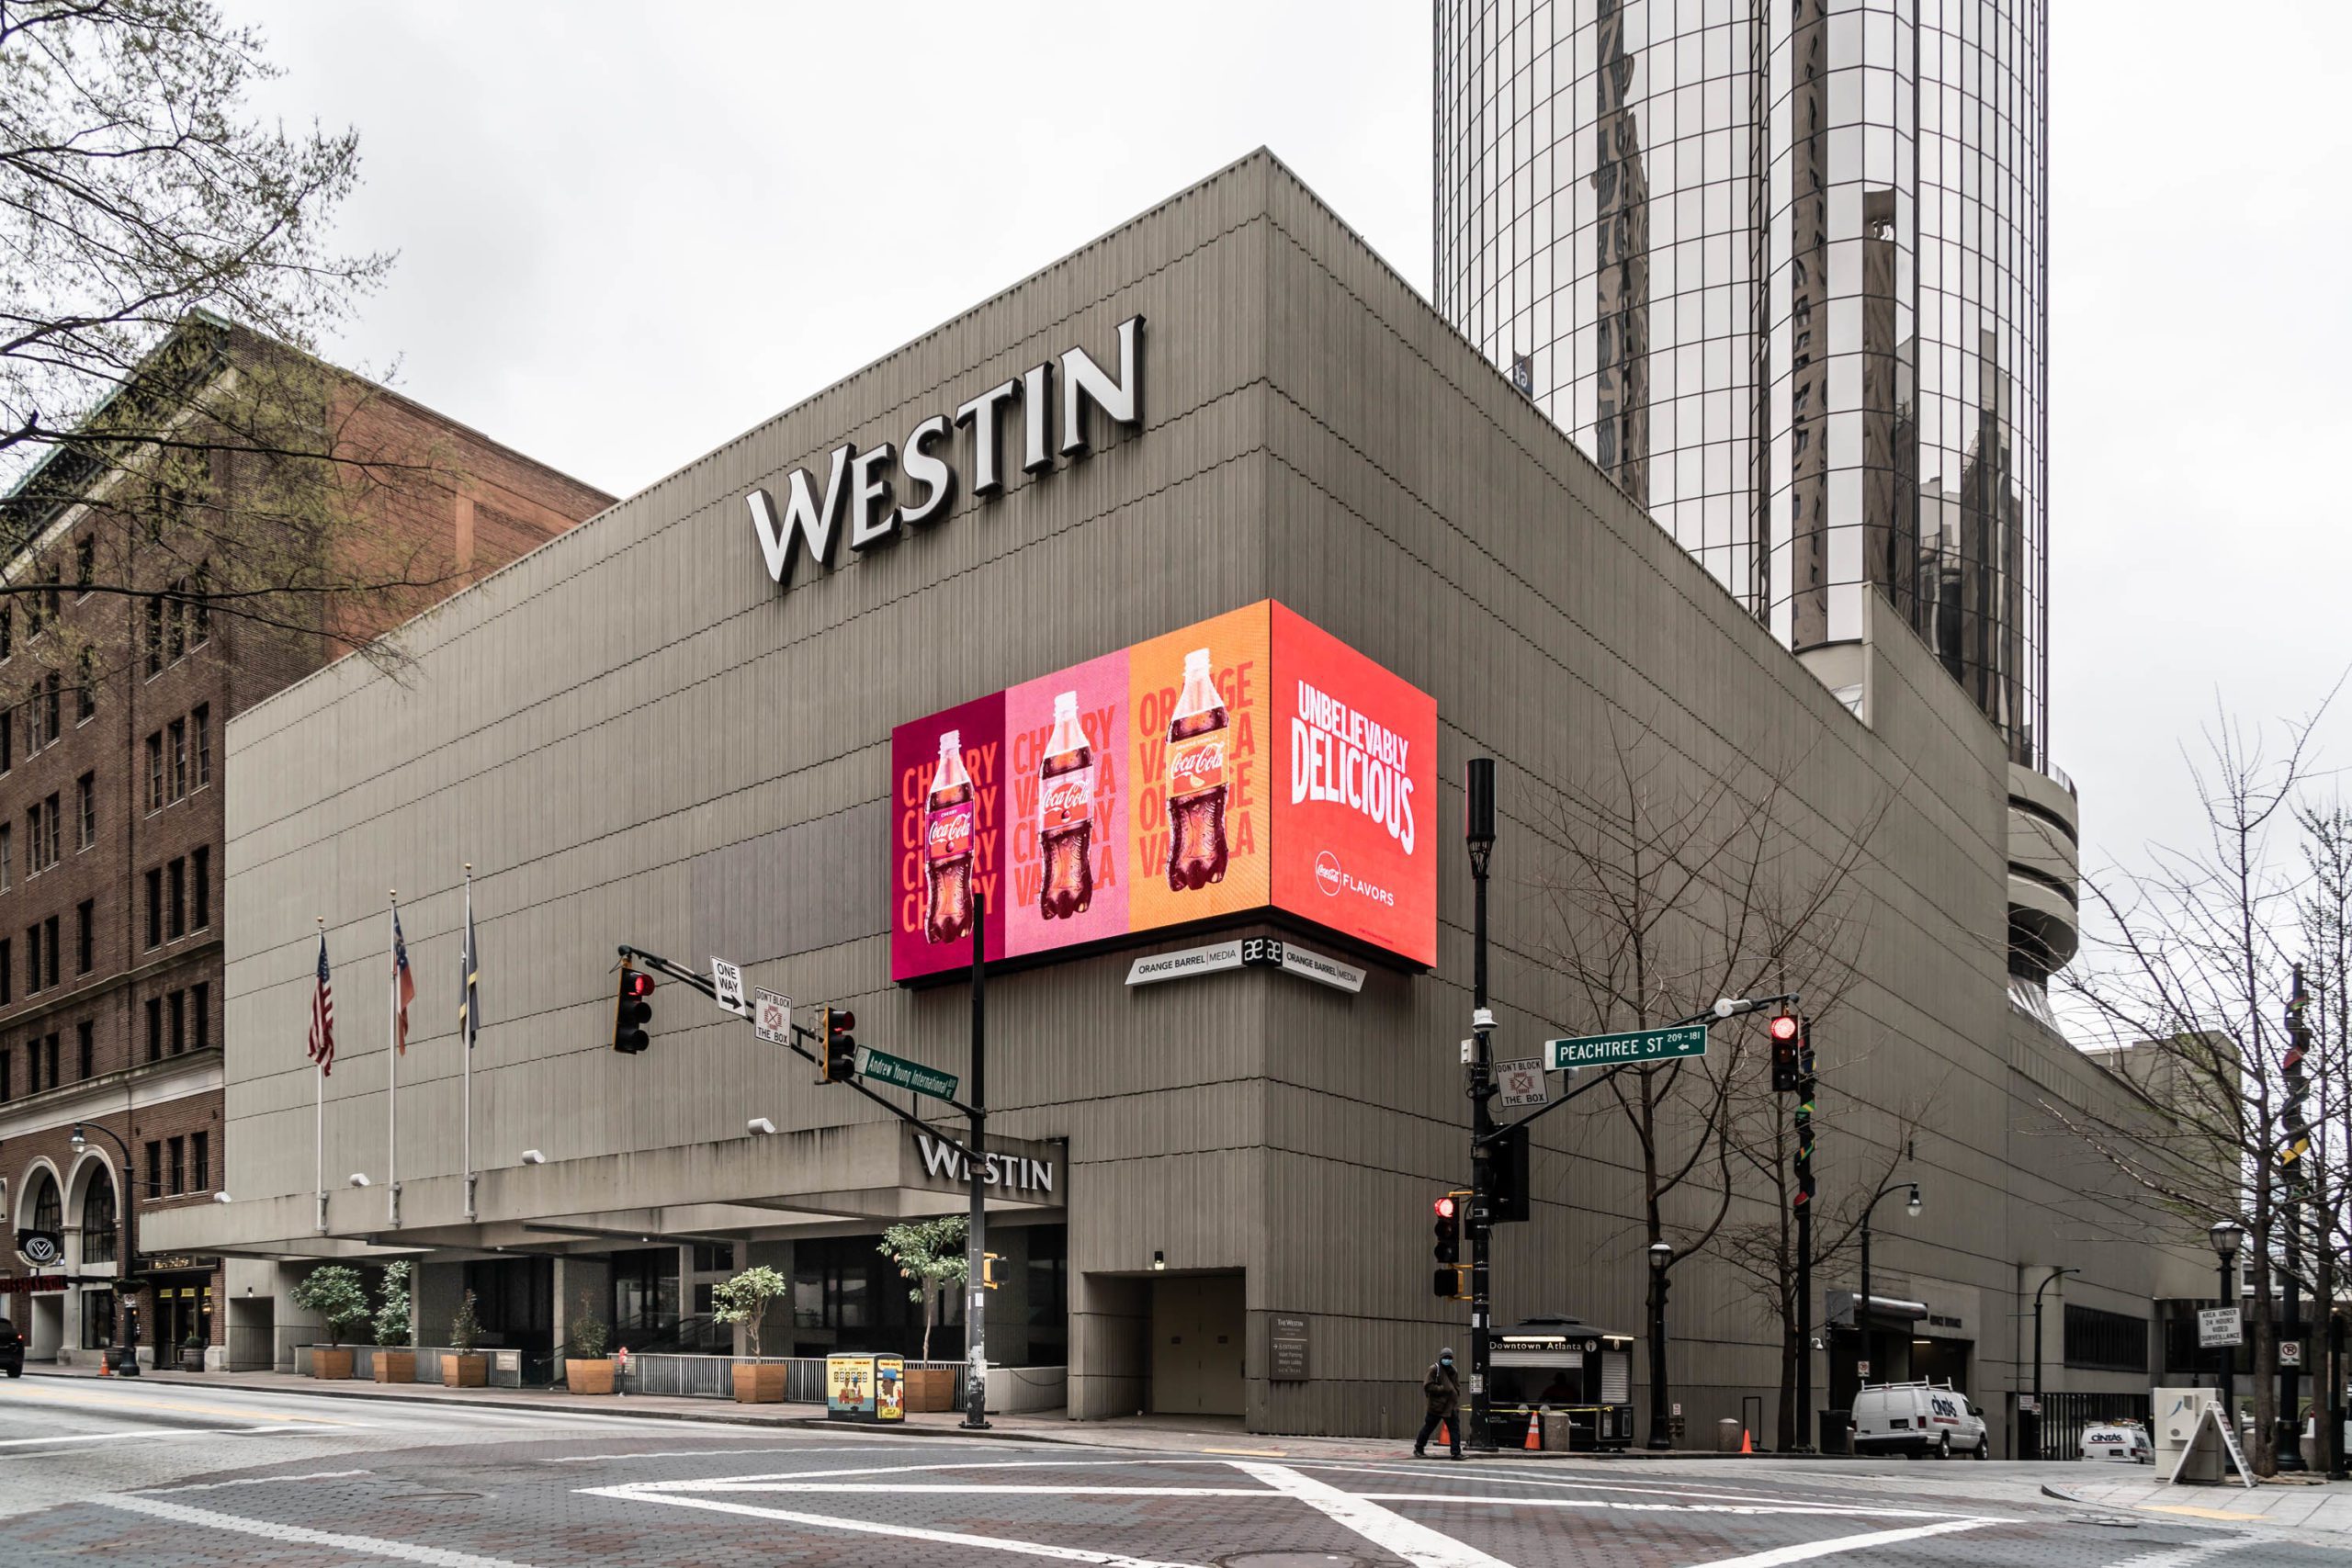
865	1388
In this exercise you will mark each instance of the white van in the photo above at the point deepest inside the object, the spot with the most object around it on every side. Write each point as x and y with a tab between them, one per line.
1919	1419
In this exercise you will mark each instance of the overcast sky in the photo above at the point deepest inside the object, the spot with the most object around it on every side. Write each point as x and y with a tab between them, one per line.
628	233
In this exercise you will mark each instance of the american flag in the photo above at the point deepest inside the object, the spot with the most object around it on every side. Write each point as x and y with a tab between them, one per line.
403	985
323	1016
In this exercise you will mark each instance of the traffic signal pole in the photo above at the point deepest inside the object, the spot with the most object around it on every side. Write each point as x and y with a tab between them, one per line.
1806	1088
976	1241
1479	833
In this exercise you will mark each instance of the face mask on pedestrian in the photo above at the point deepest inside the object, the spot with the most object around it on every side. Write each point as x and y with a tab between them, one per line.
1445	1360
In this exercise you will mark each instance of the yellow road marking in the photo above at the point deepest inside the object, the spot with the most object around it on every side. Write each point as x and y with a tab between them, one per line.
1253	1453
2199	1513
189	1409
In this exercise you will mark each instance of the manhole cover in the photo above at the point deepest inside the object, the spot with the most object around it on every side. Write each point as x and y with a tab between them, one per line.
1290	1559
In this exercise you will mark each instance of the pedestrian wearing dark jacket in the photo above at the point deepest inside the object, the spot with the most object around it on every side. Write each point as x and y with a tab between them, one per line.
1442	1389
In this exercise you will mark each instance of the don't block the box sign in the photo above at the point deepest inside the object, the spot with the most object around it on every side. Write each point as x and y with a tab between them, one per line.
1246	763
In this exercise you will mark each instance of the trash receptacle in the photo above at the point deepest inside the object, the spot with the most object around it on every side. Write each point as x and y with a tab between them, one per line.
1728	1435
1559	1431
1837	1431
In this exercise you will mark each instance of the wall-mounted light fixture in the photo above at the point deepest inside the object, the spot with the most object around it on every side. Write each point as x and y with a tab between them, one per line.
359	1178
533	1156
1158	1262
760	1127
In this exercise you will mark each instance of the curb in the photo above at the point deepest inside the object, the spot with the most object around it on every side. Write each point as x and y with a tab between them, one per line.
618	1407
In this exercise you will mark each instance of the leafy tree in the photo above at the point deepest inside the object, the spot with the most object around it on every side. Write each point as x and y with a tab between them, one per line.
2185	971
744	1299
1667	892
169	274
931	1253
392	1305
465	1328
590	1334
331	1292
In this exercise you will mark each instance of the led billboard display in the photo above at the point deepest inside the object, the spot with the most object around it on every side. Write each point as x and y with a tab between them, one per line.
1251	762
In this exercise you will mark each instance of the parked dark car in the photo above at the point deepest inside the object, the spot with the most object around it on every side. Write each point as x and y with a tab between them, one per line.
12	1349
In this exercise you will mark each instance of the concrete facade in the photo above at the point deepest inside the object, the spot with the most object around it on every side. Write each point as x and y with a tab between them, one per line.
634	737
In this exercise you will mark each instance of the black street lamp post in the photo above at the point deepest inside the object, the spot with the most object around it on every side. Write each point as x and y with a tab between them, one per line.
1661	1255
126	1358
2226	1236
2055	1275
1862	1304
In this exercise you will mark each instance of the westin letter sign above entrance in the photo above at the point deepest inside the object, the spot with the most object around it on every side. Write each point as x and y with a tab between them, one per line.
863	488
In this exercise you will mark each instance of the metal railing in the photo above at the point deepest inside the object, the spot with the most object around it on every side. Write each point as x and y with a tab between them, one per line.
713	1377
2059	1434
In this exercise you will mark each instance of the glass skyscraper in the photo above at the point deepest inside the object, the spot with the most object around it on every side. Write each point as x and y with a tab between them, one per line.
1781	269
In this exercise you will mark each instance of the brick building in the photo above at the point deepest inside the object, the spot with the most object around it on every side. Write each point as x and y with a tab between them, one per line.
112	818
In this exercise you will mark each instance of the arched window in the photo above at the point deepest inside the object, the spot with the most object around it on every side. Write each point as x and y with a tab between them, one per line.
48	1209
101	1228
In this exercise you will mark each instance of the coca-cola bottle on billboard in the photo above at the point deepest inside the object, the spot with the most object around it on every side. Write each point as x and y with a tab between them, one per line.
1196	779
947	845
1066	816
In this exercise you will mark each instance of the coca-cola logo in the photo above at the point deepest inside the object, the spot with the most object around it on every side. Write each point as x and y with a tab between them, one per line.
950	831
1067	798
1199	763
1327	875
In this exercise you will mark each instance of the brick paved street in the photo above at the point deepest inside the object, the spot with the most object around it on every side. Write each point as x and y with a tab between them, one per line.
159	1473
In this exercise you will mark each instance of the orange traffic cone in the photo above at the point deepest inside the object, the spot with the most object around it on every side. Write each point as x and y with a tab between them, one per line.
1534	1433
1747	1444
106	1366
1445	1432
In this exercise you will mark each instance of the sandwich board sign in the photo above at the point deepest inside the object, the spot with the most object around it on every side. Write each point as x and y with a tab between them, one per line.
2209	1441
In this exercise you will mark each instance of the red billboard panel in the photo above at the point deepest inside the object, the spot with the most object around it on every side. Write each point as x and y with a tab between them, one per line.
1251	762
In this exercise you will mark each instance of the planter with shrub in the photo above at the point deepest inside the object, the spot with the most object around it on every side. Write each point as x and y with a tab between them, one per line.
462	1368
587	1368
331	1292
744	1299
394	1361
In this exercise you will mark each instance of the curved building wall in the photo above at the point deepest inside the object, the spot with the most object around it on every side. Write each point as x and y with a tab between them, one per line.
1779	270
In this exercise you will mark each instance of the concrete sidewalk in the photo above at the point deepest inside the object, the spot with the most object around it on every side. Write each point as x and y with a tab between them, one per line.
1162	1434
2289	1503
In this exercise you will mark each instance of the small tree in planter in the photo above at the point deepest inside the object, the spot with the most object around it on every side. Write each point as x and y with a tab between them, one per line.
394	1361
331	1292
930	1253
464	1369
587	1368
744	1299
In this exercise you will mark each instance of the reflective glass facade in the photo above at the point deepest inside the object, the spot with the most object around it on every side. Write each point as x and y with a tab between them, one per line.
1780	271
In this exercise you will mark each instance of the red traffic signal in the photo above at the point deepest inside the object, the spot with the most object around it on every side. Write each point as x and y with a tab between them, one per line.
1785	1026
1445	1207
631	1012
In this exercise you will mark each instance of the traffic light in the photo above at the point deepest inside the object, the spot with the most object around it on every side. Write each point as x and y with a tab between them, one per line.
1507	1177
839	1064
1788	1051
988	1262
631	1010
1447	1278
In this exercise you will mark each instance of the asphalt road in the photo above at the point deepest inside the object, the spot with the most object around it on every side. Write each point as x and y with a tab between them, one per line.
135	1474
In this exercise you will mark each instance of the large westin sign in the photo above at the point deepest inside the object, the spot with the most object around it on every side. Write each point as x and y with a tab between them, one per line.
864	489
1250	762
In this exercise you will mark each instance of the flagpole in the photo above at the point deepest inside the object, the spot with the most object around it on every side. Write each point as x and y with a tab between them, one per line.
318	1117
392	1061
465	1037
